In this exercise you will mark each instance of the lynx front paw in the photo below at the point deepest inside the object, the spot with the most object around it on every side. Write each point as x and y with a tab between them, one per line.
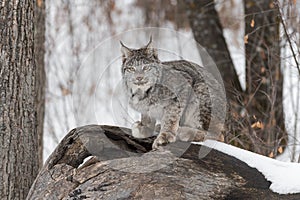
163	139
141	131
136	130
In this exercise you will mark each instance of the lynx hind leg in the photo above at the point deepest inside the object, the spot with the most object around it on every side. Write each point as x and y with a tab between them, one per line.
197	135
190	134
217	131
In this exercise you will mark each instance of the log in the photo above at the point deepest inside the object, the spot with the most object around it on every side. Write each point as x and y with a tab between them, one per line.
106	162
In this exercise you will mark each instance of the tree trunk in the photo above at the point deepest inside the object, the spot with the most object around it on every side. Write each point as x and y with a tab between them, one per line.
123	167
18	106
262	129
264	80
208	32
39	51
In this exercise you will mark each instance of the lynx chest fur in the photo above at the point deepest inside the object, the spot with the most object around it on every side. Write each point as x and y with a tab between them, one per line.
173	93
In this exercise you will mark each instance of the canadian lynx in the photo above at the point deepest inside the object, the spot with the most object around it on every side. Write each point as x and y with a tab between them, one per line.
174	93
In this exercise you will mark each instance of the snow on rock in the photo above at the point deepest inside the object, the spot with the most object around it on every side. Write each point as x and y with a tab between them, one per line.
284	177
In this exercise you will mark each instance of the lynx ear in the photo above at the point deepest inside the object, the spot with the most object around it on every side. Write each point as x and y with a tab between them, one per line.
150	50
126	52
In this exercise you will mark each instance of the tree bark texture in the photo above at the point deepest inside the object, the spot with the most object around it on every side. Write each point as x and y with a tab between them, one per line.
39	52
208	32
123	167
18	90
264	79
261	128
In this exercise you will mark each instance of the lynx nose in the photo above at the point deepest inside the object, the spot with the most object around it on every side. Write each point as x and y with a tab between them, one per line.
139	78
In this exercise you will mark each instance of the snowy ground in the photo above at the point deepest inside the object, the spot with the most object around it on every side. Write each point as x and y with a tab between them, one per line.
284	176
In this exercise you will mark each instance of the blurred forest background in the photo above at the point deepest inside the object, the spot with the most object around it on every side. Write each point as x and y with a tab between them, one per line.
255	45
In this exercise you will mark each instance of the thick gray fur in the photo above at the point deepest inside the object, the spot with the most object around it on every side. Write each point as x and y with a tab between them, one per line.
174	93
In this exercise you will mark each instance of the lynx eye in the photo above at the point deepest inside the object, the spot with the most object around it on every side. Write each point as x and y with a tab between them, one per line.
130	69
146	68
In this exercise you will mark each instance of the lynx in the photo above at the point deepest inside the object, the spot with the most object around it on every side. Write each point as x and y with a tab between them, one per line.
173	93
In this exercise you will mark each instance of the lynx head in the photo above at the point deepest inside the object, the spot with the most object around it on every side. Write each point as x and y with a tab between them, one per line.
140	68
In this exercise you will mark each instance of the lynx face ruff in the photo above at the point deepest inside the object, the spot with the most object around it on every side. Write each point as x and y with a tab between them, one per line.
173	93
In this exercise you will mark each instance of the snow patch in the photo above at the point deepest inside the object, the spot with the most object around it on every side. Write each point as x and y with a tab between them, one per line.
284	177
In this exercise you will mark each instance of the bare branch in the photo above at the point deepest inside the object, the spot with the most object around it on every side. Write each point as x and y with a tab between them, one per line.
277	5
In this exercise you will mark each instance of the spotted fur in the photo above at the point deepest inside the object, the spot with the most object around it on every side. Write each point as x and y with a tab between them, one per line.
173	93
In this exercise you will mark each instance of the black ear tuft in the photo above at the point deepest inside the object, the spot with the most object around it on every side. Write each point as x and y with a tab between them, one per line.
150	50
126	52
149	43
